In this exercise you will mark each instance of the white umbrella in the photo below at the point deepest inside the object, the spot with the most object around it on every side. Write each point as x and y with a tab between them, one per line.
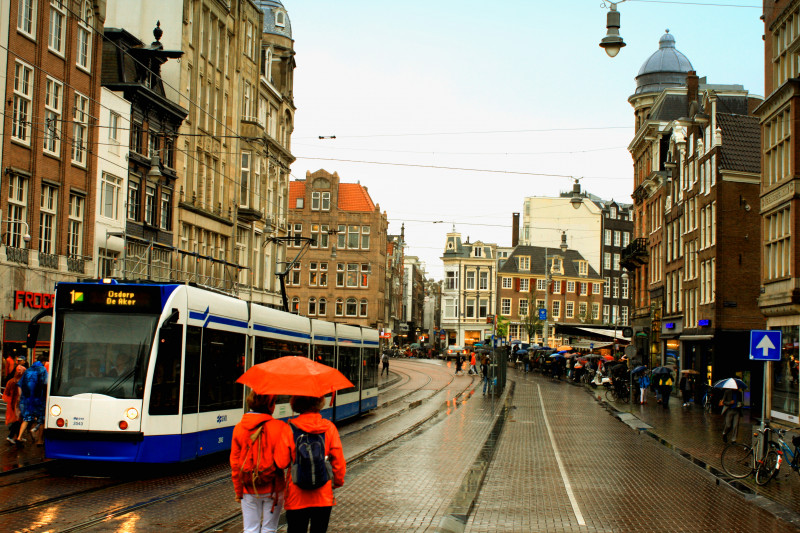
730	383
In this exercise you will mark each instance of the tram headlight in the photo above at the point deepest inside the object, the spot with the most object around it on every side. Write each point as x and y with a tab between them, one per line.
132	413
55	410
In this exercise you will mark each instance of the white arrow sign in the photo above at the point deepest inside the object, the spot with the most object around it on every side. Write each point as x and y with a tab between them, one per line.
765	345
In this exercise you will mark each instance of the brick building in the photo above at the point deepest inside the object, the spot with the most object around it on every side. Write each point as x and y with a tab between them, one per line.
47	199
779	204
341	275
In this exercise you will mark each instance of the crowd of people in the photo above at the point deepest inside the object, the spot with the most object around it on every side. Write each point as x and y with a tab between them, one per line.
24	393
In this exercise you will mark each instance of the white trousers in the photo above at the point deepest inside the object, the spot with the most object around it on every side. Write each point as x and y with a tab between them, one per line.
258	515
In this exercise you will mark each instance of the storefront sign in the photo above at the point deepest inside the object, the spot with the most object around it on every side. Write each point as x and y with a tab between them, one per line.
703	323
670	325
33	300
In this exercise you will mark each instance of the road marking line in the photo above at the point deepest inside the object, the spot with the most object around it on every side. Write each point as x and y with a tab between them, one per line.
561	468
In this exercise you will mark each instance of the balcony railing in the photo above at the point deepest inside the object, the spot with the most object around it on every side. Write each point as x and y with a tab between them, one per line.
17	255
48	260
76	264
635	254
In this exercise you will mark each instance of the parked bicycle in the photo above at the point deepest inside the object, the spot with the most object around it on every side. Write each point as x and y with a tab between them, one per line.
776	451
740	460
618	392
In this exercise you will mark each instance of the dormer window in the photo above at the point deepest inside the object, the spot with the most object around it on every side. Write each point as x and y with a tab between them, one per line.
613	212
280	19
583	268
524	262
555	265
477	252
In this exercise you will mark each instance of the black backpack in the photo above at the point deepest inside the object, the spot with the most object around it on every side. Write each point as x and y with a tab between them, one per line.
311	468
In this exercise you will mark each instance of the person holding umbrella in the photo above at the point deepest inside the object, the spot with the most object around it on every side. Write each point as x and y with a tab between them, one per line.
731	406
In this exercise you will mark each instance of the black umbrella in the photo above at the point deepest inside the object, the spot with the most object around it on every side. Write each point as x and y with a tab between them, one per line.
661	370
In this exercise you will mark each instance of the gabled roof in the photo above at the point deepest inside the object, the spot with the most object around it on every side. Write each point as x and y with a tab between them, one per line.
537	255
297	189
352	196
741	143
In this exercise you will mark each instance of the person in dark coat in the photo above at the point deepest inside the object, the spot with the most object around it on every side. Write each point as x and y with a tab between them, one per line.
732	411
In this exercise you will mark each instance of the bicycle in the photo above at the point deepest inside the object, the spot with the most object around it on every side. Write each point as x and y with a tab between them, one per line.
618	393
739	460
771	465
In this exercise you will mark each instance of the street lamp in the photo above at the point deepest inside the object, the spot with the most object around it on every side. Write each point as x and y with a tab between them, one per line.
25	236
576	201
612	42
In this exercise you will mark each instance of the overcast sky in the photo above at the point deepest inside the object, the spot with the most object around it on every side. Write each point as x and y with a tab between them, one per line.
515	95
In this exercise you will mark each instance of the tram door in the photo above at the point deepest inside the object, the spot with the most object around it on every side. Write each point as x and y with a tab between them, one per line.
191	392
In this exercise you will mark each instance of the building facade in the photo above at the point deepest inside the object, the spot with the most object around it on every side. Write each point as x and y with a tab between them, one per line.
617	227
393	305
779	203
469	291
337	252
47	199
559	281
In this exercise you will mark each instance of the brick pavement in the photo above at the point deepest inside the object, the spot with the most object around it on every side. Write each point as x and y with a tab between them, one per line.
622	481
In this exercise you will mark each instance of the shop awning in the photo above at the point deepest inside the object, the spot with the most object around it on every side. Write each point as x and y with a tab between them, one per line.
605	333
585	344
696	337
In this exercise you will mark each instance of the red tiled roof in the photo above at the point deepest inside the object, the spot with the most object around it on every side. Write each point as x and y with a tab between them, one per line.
354	197
297	189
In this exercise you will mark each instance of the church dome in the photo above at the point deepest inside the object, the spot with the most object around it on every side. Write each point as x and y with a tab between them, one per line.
667	67
276	20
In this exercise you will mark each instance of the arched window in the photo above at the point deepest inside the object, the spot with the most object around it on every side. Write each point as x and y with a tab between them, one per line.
362	309
339	307
351	308
312	306
322	309
295	308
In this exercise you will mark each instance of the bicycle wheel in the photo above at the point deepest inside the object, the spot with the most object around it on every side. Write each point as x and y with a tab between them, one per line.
610	397
738	460
768	468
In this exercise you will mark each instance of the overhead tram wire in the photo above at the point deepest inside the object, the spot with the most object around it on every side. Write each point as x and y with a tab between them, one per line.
488	132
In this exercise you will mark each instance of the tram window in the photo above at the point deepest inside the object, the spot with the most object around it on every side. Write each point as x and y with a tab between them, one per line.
348	365
222	362
370	365
325	354
267	349
191	371
167	375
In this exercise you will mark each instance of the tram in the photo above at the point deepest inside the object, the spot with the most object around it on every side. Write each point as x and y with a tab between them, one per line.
146	372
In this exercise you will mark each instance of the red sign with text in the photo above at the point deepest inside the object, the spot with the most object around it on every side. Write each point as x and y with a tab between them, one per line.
33	300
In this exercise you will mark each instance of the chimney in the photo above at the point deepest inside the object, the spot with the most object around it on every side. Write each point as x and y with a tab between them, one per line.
514	229
692	86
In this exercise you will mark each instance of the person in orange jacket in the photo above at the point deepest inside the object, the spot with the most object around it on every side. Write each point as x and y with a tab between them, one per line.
260	511
313	507
11	395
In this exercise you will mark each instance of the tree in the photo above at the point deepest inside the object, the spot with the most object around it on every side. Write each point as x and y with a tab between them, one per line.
502	326
531	322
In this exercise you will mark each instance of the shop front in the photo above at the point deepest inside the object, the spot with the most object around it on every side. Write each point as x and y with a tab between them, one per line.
784	393
20	307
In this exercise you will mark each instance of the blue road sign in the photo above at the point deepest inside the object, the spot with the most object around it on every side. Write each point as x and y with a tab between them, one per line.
765	345
542	314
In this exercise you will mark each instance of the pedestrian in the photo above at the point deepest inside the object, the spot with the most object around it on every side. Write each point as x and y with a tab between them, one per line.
385	361
9	368
259	436
473	367
33	385
644	382
685	386
485	373
732	411
11	397
459	362
312	507
666	390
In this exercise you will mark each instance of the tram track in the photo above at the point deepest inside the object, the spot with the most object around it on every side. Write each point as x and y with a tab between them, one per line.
220	474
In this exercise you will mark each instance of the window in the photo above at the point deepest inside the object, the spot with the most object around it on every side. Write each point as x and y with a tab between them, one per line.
607	261
350	307
596	288
469	308
326	201
23	90
570	310
245	183
322	309
295	305
315	200
451	280
470	280
540	304
47	219
166	211
363	307
556	309
80	129
616	238
17	210
570	287
312	306
113	127
625	288
352	237
365	271
247	102
583	268
777	244
541	284
584	287
505	306
607	237
595	311
623	315
449	307
53	98
524	284
615	263
582	311
626	238
483	308
523	307
26	17
134	200
75	226
483	281
352	275
340	274
365	237
294	274
137	137
109	196
150	205
57	18
607	314
777	142
607	288
84	50
280	19
295	232
507	283
524	262
615	288
557	287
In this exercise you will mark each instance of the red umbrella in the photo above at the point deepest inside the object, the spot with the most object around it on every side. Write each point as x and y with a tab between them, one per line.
608	357
294	375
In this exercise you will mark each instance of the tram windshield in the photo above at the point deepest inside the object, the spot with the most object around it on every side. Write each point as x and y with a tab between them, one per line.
101	353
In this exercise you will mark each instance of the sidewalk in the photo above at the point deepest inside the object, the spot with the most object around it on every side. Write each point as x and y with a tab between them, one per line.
697	435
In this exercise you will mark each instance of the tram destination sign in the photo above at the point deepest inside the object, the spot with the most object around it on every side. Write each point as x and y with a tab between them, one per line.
109	298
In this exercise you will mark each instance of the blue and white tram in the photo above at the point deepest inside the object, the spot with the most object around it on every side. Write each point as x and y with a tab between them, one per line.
147	372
